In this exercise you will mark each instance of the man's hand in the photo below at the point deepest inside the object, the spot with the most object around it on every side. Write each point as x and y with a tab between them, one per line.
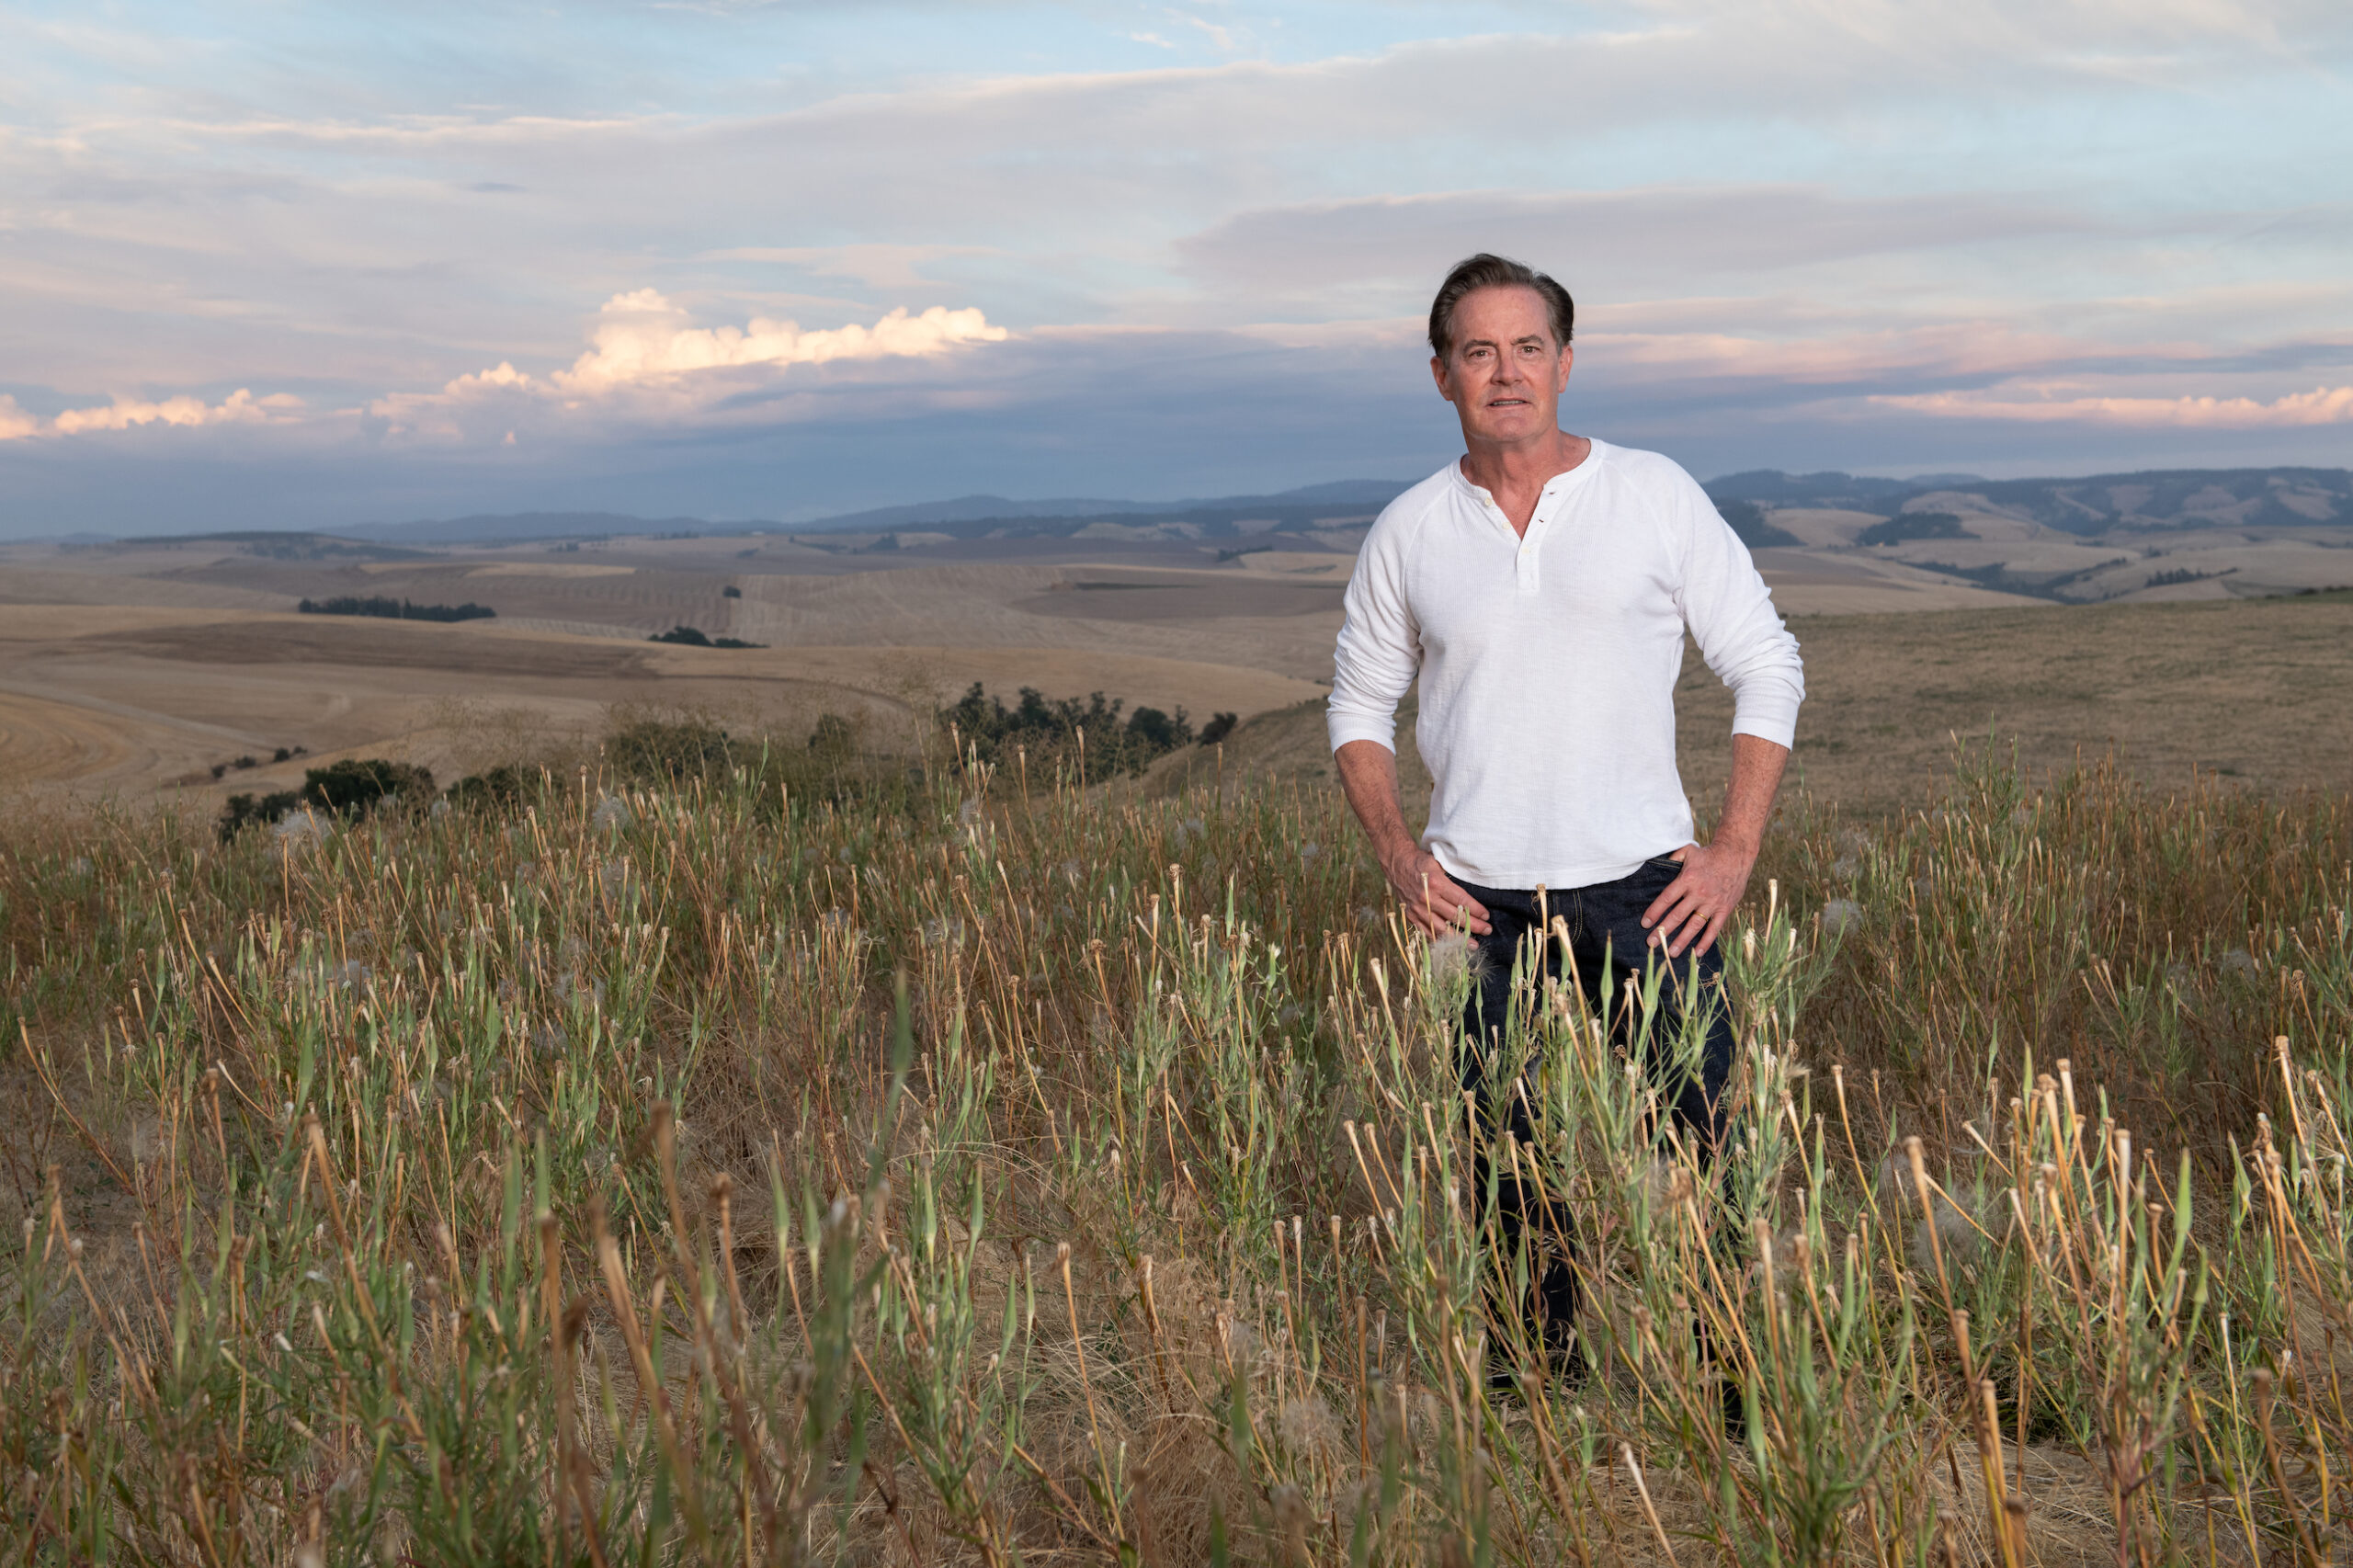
1693	909
1433	903
1432	900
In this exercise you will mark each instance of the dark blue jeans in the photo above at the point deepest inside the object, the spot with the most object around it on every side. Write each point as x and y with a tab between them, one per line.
1605	938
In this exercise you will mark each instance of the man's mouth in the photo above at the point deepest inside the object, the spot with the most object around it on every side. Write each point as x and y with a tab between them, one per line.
1507	403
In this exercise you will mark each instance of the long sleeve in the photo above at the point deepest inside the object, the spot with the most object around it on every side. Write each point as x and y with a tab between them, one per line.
1731	614
1379	648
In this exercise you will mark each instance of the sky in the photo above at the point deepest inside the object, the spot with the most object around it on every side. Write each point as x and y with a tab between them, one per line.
265	264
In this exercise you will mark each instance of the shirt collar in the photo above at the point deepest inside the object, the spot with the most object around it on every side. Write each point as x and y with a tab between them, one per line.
1557	484
1555	487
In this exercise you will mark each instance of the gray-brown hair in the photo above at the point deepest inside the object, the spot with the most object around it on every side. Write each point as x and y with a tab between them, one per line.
1486	271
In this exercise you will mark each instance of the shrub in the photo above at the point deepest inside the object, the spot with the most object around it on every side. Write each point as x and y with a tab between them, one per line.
1158	731
668	750
356	784
350	788
498	789
1913	525
242	812
694	637
731	592
1220	726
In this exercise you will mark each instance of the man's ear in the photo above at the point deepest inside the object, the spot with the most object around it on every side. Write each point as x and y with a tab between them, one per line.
1437	374
1560	383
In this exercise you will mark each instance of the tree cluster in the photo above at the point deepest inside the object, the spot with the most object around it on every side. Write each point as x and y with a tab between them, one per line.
349	788
395	610
1051	729
694	637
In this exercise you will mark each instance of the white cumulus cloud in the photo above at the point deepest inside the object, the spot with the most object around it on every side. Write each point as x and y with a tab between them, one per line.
642	336
645	346
240	407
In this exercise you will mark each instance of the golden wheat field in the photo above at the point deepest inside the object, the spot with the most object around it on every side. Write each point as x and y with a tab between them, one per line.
134	669
766	1113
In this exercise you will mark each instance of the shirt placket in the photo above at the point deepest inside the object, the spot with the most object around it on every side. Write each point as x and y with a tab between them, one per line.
1527	574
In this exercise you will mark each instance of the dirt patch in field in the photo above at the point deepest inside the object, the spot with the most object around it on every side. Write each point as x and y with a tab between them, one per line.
393	645
534	569
1191	597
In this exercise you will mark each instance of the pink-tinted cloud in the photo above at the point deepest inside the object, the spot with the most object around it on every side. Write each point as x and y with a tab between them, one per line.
642	336
1954	348
240	407
2322	405
644	346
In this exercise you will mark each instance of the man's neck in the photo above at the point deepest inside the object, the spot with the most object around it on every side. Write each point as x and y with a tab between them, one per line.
1515	474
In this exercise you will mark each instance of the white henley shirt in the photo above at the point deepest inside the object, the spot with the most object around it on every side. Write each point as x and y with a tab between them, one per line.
1548	663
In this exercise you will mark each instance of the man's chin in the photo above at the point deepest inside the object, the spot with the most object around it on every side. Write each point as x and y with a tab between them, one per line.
1517	424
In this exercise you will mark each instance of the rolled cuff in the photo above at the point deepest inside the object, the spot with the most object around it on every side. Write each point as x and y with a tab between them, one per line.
1769	715
1346	727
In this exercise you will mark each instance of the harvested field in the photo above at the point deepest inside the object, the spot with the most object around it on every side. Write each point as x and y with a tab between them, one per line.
2257	694
165	660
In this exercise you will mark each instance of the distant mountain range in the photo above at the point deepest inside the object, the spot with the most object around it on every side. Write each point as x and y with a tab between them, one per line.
1309	503
2172	498
1340	498
512	527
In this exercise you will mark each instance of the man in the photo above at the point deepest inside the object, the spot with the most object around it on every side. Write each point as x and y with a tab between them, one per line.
1539	588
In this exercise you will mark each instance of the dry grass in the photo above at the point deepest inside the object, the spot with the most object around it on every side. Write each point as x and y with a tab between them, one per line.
578	1182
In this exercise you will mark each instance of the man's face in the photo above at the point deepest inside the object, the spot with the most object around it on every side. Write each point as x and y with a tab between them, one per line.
1504	374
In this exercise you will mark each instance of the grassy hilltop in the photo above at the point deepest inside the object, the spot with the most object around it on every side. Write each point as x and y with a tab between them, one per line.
746	1161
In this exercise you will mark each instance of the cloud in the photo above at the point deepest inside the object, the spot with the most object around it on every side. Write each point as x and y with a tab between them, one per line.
642	336
1222	38
643	350
1645	237
16	425
2086	206
240	407
2322	405
876	266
